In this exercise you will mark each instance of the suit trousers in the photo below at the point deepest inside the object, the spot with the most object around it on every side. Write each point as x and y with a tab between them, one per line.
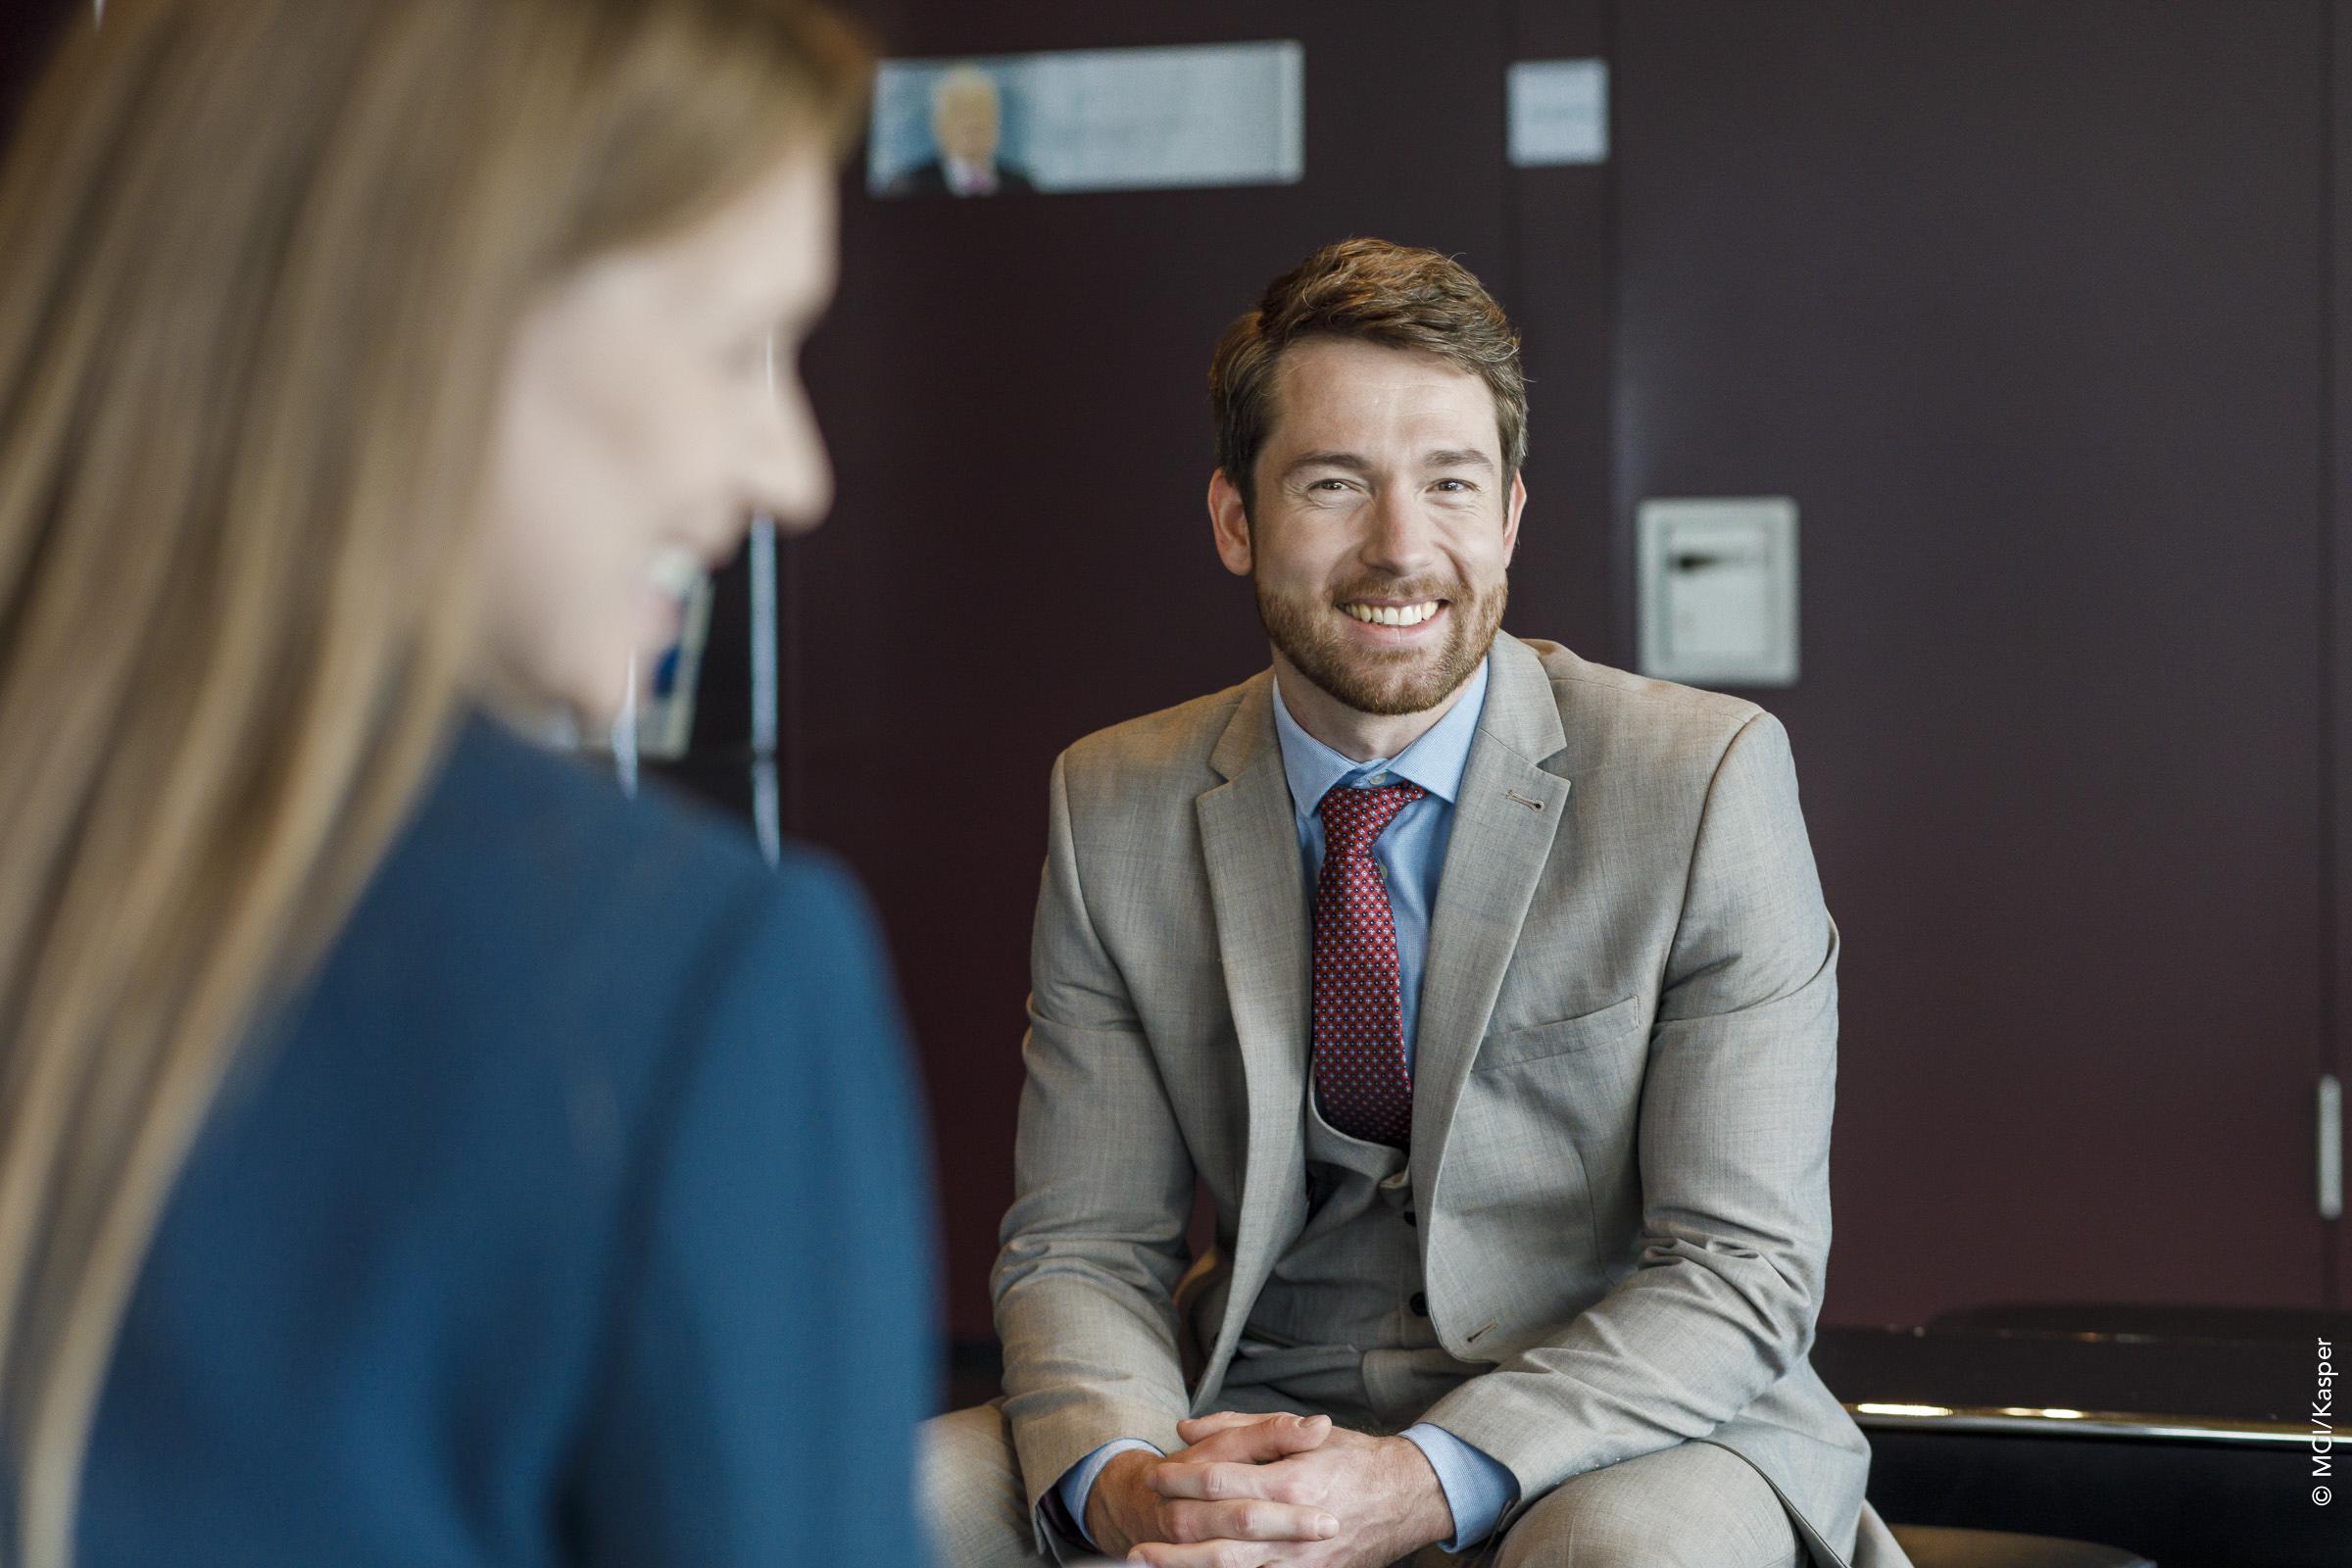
1692	1505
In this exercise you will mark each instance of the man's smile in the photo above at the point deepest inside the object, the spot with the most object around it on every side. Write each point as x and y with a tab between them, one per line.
1387	613
1396	623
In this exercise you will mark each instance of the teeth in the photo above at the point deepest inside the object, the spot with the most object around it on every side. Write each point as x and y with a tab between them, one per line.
675	571
1393	614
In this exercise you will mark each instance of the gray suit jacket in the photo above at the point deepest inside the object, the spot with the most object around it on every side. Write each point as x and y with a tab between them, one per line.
1625	1066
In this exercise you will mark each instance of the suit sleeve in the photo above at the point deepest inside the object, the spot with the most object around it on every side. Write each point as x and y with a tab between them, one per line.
773	1350
1094	1241
1734	1151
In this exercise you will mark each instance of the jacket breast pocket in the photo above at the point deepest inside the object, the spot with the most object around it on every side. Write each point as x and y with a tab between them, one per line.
1539	1041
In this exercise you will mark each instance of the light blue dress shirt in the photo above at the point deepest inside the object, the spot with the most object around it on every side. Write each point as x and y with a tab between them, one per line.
1411	853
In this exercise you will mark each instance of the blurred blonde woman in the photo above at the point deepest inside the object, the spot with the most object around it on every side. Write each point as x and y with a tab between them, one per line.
410	1151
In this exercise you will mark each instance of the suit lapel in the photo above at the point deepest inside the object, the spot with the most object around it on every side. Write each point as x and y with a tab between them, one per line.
1249	838
1504	822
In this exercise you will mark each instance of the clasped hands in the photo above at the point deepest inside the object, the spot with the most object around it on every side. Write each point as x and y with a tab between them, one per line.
1254	1490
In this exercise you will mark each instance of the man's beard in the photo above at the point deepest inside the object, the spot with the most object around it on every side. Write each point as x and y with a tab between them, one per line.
1383	681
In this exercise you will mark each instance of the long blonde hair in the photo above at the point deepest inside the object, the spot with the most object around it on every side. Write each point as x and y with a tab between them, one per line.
264	261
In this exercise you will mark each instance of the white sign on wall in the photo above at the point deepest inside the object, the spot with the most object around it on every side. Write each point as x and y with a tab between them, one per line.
1717	590
1559	111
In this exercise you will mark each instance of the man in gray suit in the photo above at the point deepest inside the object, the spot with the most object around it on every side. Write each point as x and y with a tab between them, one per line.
1490	996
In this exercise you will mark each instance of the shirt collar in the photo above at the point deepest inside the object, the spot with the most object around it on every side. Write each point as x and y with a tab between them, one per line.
1435	760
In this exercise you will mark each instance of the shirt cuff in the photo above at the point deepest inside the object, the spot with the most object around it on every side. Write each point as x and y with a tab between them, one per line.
1478	1488
1077	1482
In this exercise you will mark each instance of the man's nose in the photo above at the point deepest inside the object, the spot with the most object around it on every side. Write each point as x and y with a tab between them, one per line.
1398	540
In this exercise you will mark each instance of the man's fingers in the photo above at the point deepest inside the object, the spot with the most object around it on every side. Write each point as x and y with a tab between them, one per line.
1248	1519
1259	1441
1231	1481
1195	1427
1205	1554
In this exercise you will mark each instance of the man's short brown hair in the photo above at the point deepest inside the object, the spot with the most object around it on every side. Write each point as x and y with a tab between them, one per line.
1376	292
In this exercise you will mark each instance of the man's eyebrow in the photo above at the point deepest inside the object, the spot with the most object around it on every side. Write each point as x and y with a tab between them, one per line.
1438	458
1458	457
1330	459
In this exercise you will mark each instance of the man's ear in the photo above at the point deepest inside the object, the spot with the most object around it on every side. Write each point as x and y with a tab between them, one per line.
1229	520
1511	522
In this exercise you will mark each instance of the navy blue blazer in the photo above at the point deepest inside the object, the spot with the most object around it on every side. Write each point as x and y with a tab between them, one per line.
575	1215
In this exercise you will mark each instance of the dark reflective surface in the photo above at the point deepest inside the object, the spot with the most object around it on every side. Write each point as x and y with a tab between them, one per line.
2220	1363
2235	1497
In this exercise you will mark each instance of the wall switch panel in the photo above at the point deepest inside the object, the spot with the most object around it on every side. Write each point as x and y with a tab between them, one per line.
1718	590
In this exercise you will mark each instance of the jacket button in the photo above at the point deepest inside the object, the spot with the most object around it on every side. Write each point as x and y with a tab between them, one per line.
1420	1304
1409	1217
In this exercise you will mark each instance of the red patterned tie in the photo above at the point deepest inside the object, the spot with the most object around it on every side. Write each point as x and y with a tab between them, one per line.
1362	1080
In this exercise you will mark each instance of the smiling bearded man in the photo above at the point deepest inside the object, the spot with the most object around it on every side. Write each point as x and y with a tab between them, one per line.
1488	994
1372	680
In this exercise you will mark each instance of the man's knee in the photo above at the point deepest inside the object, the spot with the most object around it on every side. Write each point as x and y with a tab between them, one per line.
1693	1506
967	1449
970	1483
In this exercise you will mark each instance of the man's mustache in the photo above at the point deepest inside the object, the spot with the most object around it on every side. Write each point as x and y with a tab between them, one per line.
1411	591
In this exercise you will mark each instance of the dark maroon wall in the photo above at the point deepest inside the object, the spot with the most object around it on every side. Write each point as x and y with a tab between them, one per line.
2026	304
1014	391
2335	587
2035	306
28	31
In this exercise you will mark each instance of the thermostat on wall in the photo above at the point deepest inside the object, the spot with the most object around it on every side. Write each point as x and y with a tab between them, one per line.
1718	590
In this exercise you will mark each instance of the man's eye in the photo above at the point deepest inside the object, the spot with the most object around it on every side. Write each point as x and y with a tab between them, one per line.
1455	486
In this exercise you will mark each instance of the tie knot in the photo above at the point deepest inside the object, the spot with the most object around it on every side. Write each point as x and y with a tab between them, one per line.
1352	818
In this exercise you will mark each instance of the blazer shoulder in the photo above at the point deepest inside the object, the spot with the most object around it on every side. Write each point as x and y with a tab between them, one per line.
527	871
534	926
1168	750
1605	711
498	790
533	920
